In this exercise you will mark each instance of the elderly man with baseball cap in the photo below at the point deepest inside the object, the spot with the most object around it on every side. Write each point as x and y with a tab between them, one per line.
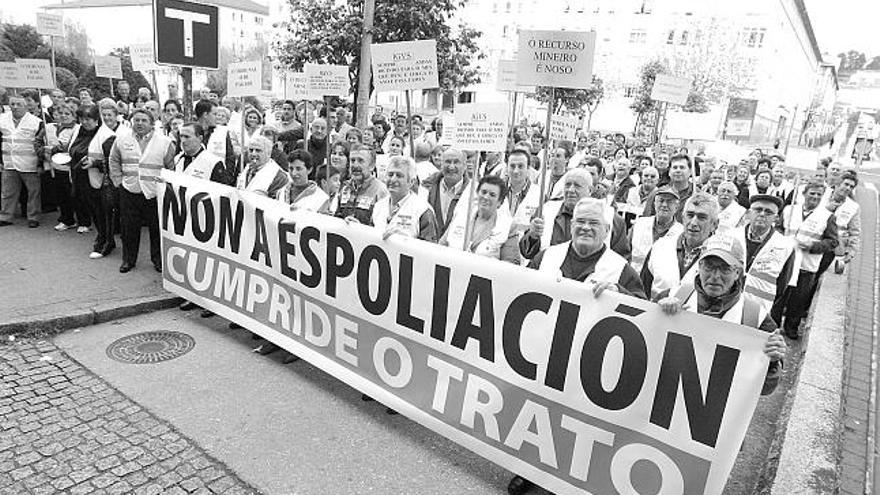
717	291
647	230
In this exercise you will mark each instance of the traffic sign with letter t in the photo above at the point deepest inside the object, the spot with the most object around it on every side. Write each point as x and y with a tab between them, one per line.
186	34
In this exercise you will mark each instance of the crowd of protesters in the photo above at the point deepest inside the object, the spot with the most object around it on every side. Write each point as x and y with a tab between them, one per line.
744	241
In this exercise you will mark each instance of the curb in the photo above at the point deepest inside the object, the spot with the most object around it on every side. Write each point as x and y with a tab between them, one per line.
99	313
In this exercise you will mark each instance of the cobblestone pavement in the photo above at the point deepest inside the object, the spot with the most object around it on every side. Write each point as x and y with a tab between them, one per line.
859	345
64	430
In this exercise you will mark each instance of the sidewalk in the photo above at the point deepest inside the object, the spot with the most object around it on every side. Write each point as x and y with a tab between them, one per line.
48	281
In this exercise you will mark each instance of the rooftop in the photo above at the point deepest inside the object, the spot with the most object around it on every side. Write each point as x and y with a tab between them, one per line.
243	5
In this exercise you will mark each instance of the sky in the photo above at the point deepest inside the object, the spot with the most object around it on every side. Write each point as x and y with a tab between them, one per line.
842	25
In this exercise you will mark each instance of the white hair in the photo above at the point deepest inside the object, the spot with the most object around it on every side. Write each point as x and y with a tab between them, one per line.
404	163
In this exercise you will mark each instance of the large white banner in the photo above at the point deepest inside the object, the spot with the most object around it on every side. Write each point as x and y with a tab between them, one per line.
577	393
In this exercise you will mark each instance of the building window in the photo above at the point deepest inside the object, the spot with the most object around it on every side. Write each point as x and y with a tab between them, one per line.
630	91
754	37
258	20
671	38
638	36
684	38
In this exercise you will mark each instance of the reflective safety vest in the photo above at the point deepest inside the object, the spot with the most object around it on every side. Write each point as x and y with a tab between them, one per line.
312	199
729	218
18	142
96	153
262	180
643	239
406	219
762	276
664	267
217	142
808	229
141	170
845	213
609	267
525	210
746	311
200	168
489	246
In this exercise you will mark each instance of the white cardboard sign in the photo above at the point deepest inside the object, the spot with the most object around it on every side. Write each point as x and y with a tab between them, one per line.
671	89
50	24
560	59
34	73
739	127
564	127
142	57
405	65
327	80
9	75
108	66
244	78
481	126
297	88
505	80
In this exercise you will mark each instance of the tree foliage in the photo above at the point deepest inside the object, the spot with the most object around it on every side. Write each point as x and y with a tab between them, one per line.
577	101
66	80
329	32
851	61
217	78
642	103
100	86
21	40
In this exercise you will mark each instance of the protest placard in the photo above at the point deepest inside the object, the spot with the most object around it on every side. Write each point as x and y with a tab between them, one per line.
481	126
576	393
327	80
50	24
34	73
9	76
671	89
244	78
143	58
559	59
296	87
405	65
564	127
505	80
108	66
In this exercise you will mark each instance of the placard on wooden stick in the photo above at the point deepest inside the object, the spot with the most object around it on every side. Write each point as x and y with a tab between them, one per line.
406	65
50	24
671	89
327	80
481	126
34	73
244	78
564	127
143	58
559	59
108	66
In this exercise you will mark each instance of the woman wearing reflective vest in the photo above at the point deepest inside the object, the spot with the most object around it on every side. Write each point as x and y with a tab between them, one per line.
769	255
490	231
815	233
136	163
103	196
59	136
300	193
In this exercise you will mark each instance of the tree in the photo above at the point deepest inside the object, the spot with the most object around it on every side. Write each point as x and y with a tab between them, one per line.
874	64
328	31
644	107
217	78
21	39
578	101
100	86
66	80
76	42
851	61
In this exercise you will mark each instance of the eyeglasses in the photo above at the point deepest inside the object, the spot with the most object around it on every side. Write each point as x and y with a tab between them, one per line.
716	267
767	212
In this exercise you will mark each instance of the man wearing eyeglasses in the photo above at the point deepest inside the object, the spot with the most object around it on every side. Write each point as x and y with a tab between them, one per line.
261	175
769	255
717	291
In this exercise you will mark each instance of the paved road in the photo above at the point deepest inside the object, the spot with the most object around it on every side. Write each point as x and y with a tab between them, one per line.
283	428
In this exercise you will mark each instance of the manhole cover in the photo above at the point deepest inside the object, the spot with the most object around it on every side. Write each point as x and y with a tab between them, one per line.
150	347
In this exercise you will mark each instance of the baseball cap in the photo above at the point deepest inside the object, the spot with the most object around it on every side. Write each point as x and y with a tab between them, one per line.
667	190
776	200
726	247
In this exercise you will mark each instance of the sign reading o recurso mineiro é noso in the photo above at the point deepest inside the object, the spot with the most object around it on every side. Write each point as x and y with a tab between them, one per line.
560	59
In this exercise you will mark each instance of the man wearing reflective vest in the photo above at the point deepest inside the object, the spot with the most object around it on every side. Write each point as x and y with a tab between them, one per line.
585	258
769	255
717	291
20	149
216	138
136	163
403	211
647	230
261	175
554	225
815	233
672	260
849	223
194	160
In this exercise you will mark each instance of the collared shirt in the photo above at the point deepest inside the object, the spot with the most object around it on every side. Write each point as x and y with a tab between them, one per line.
447	194
516	199
686	257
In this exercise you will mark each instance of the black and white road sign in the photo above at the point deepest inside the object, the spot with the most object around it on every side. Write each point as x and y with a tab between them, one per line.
186	34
